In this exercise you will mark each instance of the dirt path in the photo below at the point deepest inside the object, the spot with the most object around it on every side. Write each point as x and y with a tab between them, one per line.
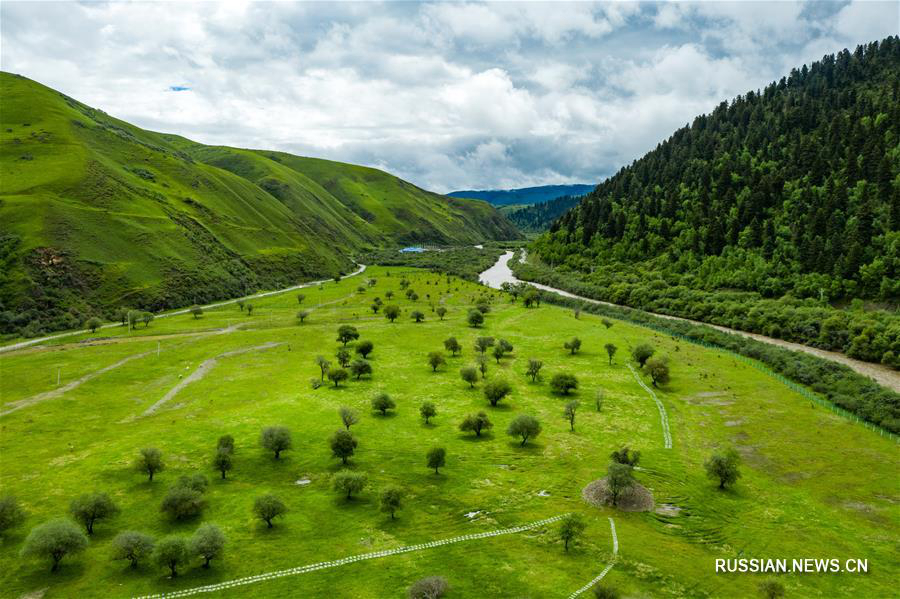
30	401
609	566
201	372
888	377
212	588
663	416
30	342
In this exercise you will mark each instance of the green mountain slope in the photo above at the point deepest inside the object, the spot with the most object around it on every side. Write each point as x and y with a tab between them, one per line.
764	215
99	214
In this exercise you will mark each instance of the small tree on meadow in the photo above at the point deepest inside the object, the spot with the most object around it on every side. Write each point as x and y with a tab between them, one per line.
441	311
428	411
498	353
570	410
360	368
364	348
483	307
197	311
483	343
171	552
610	351
391	500
207	543
573	345
524	426
223	461
642	353
147	318
602	591
240	304
249	308
723	467
347	333
476	423
619	478
268	507
93	324
658	367
482	363
302	315
91	507
133	546
225	443
436	458
469	374
150	461
436	360
11	513
376	305
417	315
276	439
349	482
382	403
563	383
496	390
599	394
771	589
389	294
343	445
475	319
452	345
348	417
606	322
534	369
627	456
300	298
392	313
430	587
343	356
337	376
55	540
571	527
323	365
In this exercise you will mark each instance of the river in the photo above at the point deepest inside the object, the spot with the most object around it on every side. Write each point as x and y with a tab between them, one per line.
500	273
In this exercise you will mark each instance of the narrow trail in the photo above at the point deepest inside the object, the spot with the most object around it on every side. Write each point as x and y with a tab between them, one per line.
609	566
501	273
353	559
30	342
29	401
201	372
663	416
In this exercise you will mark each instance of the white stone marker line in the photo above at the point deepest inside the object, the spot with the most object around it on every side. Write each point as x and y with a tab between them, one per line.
663	417
609	566
349	560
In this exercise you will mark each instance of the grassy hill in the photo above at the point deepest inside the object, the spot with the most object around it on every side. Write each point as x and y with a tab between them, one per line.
100	214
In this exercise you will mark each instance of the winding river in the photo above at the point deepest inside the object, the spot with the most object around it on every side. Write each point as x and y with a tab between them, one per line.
500	273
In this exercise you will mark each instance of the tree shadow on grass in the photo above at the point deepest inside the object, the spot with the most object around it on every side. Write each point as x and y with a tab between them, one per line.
472	438
38	574
531	447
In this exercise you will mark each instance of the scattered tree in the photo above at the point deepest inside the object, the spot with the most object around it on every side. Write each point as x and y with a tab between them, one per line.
658	367
431	587
268	507
337	375
225	443
483	307
133	546
524	426
723	467
417	315
482	363
207	543
302	315
360	368
183	501
573	345
476	423
441	312
343	356
452	345
598	399
436	458
249	307
771	589
347	333
534	369
276	439
55	539
627	456
605	592
496	390
427	411
171	552
392	312
300	298
343	445
146	318
475	318
349	482
348	417
607	322
570	528
91	507
506	345
498	353
642	353
197	311
150	461
619	478
382	403
571	408
436	360
469	374
93	324
611	350
389	294
240	304
323	365
11	513
364	348
391	500
483	343
563	383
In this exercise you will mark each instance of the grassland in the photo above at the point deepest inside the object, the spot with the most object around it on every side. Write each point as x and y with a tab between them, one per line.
814	485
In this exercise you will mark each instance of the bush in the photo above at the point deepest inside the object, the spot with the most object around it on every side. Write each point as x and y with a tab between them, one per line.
382	403
563	383
183	502
11	513
432	587
475	318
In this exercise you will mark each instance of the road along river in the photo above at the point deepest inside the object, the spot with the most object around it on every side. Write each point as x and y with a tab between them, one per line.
500	273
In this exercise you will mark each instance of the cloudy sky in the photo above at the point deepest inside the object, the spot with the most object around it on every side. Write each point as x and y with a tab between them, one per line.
447	95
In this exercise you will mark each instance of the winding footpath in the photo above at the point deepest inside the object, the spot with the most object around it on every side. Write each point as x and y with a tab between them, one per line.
35	341
500	273
211	588
663	416
609	566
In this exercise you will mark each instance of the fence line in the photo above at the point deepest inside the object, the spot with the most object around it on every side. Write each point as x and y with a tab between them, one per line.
609	566
663	417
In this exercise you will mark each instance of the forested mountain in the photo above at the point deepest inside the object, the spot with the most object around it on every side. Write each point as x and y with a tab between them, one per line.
537	218
792	191
524	195
98	214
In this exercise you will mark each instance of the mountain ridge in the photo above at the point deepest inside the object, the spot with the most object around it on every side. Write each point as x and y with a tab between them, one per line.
524	195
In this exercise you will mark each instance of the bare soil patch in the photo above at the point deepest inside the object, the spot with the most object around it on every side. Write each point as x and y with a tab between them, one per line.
636	499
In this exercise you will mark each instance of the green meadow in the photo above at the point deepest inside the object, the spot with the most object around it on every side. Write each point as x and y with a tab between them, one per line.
813	484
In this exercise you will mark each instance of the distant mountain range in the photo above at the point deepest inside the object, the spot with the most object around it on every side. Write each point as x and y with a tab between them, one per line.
524	195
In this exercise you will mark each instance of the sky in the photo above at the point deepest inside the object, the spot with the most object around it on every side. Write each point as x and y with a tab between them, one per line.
445	95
